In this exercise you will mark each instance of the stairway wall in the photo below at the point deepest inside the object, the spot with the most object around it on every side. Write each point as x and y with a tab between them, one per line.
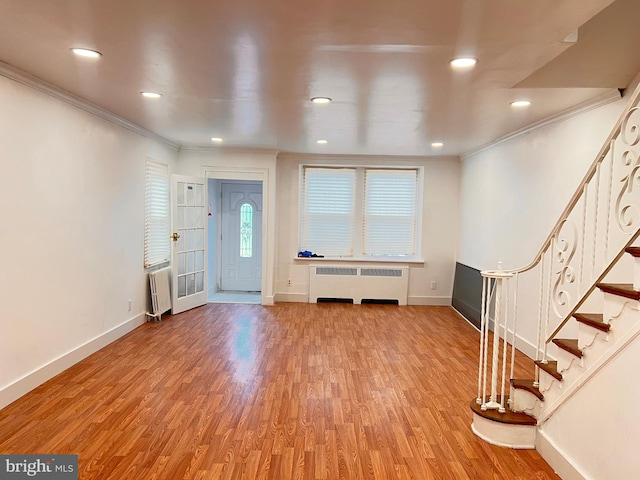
596	430
513	192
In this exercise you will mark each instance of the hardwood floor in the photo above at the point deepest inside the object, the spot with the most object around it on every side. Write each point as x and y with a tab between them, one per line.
292	391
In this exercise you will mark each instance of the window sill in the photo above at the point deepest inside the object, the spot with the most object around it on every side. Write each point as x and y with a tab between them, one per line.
391	260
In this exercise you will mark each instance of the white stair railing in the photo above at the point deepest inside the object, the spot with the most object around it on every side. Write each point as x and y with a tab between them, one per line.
600	221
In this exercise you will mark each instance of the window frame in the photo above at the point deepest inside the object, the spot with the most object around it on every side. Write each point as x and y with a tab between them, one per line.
358	240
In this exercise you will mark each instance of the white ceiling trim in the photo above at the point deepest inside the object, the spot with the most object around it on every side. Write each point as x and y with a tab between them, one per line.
43	86
606	98
214	148
343	157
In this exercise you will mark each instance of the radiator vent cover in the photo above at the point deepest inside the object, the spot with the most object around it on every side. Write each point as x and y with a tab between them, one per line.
379	283
381	272
336	271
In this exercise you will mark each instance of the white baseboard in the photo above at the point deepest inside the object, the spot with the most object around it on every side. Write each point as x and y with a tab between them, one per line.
24	385
268	300
465	318
434	301
555	457
292	297
526	347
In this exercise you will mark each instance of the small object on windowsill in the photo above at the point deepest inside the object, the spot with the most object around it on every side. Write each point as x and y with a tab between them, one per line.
308	254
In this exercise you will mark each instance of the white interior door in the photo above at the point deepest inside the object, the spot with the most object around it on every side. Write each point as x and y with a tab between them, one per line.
241	238
188	252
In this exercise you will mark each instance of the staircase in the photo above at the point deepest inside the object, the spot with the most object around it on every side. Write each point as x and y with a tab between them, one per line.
580	298
600	336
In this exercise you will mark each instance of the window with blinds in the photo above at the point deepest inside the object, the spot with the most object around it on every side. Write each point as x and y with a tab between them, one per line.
389	215
359	212
157	247
328	201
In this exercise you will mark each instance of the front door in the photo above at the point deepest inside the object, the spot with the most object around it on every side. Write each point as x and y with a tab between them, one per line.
188	252
241	239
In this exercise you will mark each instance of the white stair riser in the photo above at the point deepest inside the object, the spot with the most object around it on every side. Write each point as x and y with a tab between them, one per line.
550	387
504	435
566	361
614	309
587	335
526	402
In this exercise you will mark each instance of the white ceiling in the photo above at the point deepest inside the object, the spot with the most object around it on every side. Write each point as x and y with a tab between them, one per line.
244	70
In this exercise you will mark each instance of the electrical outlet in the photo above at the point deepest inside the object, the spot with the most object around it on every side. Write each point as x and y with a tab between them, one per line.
129	305
434	285
289	282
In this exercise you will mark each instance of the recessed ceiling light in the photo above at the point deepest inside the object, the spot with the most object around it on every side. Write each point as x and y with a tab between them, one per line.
437	144
322	142
321	100
151	94
521	103
85	52
216	139
463	62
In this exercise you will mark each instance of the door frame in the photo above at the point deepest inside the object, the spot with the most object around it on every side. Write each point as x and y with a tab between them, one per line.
268	218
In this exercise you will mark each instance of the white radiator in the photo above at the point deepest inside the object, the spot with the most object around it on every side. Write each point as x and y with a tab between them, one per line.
160	292
358	283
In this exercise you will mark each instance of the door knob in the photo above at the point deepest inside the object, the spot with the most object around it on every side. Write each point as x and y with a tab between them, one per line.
175	236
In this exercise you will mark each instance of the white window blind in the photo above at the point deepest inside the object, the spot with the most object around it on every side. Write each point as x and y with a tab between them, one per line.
157	246
389	212
328	211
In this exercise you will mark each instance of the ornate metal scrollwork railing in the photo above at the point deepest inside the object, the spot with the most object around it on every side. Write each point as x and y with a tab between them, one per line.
580	250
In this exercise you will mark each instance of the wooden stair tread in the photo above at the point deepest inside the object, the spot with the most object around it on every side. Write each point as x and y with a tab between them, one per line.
569	345
508	417
550	367
635	251
528	386
622	289
595	320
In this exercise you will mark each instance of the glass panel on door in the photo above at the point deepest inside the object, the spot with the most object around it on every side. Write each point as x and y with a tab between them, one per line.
190	244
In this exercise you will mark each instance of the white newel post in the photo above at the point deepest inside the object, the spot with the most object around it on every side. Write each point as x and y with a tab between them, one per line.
495	301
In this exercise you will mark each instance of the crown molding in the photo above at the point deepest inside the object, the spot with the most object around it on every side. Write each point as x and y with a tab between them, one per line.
328	157
606	98
221	149
47	88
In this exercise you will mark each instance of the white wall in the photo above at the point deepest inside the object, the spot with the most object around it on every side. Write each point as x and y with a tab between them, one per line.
597	430
72	197
512	194
439	228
